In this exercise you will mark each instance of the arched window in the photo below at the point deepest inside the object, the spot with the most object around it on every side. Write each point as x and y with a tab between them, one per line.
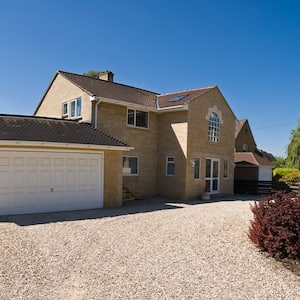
214	128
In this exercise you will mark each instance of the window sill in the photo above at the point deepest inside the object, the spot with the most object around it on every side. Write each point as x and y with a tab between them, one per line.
76	118
130	175
136	127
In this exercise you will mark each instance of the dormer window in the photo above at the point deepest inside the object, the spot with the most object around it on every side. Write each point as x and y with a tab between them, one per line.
76	108
137	118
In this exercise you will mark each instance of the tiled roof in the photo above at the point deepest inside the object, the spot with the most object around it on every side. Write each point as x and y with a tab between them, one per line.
116	91
181	97
40	129
269	156
112	90
251	158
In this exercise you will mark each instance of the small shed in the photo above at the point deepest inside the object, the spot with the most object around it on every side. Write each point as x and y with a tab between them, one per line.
253	172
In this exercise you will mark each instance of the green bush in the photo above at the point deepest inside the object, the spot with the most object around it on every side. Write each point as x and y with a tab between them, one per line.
291	177
278	173
275	228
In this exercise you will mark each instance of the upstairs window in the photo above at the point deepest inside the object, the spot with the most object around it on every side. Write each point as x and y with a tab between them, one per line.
214	128
76	108
65	109
245	147
137	118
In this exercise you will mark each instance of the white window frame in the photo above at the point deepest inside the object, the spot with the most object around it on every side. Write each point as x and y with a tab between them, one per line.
134	118
77	112
226	167
137	166
214	128
65	114
170	160
197	176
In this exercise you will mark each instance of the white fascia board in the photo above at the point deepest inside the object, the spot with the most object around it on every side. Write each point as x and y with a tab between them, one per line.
142	107
62	145
173	108
127	104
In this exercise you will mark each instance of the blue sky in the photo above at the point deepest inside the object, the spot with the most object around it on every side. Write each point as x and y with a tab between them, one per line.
249	48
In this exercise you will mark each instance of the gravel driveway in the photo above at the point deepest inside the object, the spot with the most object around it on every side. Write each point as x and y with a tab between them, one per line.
162	250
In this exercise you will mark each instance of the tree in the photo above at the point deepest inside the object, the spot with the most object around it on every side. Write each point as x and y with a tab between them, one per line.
279	162
92	74
293	149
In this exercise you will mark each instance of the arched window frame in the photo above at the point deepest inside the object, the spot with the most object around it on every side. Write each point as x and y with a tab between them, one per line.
214	127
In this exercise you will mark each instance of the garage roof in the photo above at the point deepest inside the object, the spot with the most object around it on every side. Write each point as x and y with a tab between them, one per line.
41	129
251	158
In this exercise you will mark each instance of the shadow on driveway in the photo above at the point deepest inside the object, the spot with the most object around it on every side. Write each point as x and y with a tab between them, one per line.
129	207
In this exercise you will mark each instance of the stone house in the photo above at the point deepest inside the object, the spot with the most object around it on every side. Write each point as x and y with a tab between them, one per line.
182	142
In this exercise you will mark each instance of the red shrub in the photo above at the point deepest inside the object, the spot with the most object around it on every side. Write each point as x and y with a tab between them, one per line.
276	225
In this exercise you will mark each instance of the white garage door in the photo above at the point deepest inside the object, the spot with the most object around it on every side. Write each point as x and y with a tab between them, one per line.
50	181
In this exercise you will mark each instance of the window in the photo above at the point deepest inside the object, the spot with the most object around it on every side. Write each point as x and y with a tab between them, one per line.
245	147
213	128
65	109
197	168
76	108
130	166
170	166
137	118
226	168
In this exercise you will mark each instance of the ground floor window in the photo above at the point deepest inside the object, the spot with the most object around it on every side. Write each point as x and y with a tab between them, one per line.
170	166
226	168
130	165
197	168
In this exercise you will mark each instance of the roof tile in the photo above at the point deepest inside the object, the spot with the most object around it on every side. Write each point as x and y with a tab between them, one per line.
112	90
40	129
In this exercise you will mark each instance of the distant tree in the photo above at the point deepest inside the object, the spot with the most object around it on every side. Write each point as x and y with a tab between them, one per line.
279	162
293	149
92	74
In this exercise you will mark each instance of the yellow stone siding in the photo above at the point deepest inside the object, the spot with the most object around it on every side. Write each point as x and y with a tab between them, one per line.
112	120
63	90
200	147
112	178
172	142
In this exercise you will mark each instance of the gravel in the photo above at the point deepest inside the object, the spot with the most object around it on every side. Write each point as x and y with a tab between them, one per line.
144	250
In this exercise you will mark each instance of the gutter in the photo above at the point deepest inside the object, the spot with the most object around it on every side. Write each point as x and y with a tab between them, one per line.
38	144
95	117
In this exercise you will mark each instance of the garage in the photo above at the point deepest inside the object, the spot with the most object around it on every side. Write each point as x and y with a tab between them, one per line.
49	165
35	181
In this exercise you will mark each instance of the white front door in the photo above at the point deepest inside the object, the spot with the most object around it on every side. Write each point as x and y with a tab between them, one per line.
212	176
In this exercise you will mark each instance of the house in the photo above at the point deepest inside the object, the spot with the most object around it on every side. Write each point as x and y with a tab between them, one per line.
252	166
183	142
55	165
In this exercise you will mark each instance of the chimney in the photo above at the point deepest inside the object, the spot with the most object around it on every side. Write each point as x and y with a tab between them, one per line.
107	75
